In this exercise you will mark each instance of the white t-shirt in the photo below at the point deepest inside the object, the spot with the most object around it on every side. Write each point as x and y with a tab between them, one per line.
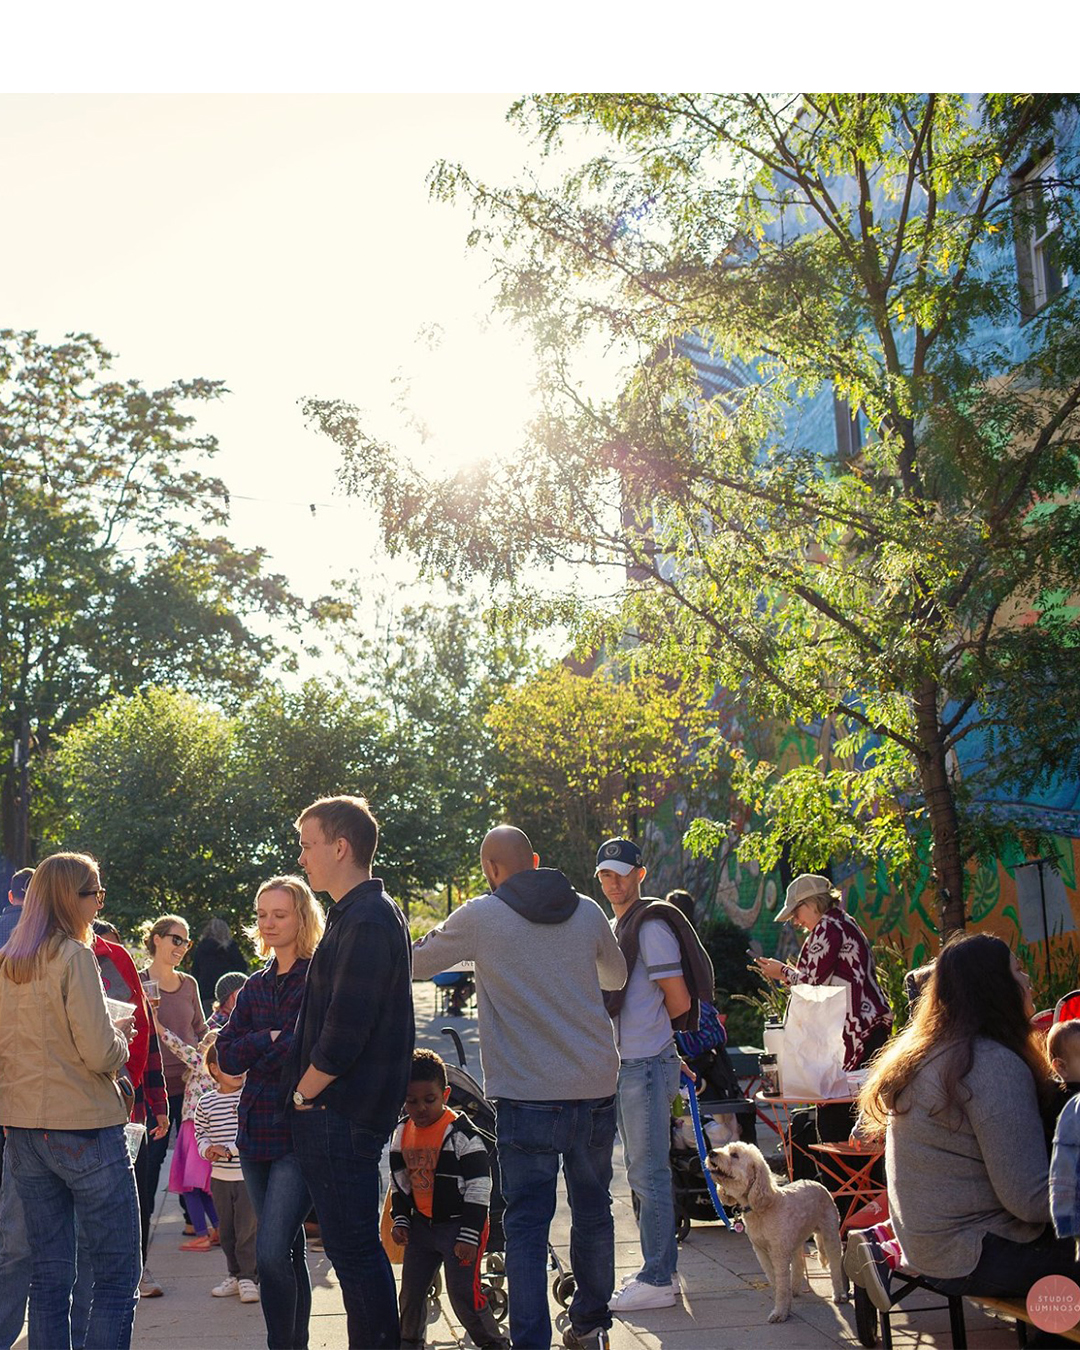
643	1027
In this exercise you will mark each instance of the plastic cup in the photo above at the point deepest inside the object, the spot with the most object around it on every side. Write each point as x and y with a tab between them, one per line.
133	1137
118	1010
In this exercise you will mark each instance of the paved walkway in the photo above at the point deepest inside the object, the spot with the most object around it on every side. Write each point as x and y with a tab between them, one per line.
725	1305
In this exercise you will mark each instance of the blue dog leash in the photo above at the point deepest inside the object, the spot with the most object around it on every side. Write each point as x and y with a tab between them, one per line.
703	1149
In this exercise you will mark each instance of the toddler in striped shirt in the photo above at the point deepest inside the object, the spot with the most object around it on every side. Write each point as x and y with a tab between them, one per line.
215	1138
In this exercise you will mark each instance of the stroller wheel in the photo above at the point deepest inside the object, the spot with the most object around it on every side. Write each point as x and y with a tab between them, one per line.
496	1263
563	1288
496	1301
682	1227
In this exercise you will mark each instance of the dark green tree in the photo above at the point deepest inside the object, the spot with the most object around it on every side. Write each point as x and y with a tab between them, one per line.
147	785
113	570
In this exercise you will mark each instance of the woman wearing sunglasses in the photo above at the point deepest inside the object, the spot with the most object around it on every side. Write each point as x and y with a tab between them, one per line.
180	1009
63	1110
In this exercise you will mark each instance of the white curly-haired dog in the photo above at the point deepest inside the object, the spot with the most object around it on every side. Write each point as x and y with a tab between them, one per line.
778	1220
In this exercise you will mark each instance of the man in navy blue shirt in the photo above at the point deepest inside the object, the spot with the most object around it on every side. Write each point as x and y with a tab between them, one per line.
12	912
348	1069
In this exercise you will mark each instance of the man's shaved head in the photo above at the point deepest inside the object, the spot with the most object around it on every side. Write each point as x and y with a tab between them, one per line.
505	852
509	847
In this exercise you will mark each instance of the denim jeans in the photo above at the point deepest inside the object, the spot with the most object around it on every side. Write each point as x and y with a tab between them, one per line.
340	1163
1008	1269
281	1200
62	1174
532	1138
643	1102
15	1262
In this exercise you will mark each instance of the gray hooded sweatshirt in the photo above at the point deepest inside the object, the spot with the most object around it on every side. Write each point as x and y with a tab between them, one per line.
543	955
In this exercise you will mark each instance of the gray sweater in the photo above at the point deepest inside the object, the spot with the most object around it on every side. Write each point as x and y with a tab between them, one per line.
543	954
949	1187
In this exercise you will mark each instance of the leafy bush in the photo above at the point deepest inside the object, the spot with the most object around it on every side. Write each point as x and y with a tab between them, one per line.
738	983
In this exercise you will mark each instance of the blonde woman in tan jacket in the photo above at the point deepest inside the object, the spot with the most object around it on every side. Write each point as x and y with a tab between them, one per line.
62	1109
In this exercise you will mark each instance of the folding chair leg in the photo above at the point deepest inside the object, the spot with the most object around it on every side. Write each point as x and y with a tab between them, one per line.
956	1322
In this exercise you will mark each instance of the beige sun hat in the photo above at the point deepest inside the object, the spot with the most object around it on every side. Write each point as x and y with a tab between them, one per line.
805	887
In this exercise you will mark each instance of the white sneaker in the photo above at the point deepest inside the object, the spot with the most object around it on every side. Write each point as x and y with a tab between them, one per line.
676	1281
149	1287
249	1291
637	1295
229	1285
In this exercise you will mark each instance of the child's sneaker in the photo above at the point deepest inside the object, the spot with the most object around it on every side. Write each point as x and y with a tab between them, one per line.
229	1285
249	1291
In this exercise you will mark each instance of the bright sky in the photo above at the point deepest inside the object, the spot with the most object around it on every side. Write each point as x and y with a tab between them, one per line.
285	244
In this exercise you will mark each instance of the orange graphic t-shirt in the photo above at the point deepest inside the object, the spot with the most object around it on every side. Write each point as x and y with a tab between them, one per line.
420	1149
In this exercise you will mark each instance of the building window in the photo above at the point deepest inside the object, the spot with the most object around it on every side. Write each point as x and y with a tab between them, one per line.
1038	226
851	431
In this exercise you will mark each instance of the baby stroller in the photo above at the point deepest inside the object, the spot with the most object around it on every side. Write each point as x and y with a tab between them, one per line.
466	1096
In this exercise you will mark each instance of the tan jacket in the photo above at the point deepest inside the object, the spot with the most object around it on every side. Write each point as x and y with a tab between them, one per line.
58	1049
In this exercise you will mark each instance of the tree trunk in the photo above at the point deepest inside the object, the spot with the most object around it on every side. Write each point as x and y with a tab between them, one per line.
946	863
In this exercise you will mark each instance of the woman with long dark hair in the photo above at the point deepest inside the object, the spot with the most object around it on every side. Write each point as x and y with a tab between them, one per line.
63	1110
965	1096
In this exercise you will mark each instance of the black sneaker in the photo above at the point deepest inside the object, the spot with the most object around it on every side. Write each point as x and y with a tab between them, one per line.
865	1265
596	1339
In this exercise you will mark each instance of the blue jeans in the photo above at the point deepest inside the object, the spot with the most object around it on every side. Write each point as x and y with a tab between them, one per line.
281	1200
532	1138
62	1174
643	1102
340	1163
15	1261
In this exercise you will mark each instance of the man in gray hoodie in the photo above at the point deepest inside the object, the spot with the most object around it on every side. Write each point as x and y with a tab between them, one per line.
543	956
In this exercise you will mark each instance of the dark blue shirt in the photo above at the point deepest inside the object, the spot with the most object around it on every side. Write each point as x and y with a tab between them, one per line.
356	1019
8	919
268	1002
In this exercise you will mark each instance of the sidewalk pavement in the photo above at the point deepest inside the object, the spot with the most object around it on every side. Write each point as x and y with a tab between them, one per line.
725	1305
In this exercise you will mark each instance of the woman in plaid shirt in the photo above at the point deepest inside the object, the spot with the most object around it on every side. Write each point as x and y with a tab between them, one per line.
255	1041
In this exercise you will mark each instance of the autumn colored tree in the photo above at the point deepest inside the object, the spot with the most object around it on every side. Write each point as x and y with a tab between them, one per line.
586	757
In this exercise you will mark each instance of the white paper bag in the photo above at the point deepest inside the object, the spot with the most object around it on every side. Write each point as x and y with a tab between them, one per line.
812	1055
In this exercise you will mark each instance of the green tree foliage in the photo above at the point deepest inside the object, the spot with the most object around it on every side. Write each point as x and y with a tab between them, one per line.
437	669
587	757
112	576
148	787
910	592
189	808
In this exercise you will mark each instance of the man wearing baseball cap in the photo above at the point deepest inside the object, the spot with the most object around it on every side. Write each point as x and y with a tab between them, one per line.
656	995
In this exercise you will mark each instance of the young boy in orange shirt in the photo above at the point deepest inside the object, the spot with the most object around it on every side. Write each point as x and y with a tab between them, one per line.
440	1180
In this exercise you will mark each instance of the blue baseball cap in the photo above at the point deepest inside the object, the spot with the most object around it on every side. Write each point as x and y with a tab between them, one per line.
618	855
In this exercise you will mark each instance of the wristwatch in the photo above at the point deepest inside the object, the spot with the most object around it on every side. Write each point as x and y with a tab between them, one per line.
300	1100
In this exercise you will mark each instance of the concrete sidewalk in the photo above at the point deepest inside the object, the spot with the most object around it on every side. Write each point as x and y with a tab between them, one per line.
725	1304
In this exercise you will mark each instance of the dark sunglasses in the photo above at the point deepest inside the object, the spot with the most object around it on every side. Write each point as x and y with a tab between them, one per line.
99	891
176	940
